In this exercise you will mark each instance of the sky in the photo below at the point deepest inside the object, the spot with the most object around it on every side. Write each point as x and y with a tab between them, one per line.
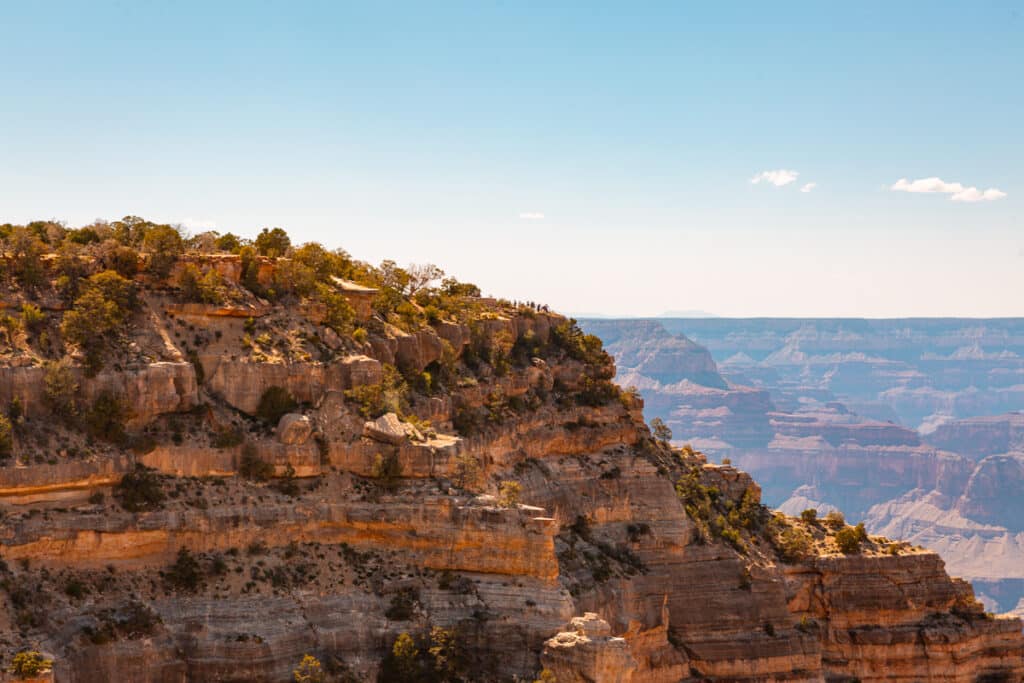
598	157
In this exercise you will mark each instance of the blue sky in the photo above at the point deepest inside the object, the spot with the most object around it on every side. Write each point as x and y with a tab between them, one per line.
595	156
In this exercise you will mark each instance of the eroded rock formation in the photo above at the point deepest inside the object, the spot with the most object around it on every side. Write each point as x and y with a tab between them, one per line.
454	489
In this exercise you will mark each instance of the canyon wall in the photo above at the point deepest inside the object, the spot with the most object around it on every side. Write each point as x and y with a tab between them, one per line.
888	421
460	493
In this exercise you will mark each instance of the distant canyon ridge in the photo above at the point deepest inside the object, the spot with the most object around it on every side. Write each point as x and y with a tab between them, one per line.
914	426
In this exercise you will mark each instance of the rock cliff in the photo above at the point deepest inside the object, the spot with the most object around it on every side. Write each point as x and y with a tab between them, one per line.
440	487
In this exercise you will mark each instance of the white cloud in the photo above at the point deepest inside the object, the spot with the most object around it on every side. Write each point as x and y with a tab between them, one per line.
778	177
973	194
808	187
957	192
531	216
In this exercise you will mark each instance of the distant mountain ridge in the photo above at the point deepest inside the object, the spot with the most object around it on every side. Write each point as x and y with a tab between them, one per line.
909	424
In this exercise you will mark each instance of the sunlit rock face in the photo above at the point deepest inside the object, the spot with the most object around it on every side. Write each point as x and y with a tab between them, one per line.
442	470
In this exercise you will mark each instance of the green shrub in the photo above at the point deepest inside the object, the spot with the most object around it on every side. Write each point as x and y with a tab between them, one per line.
467	469
124	260
60	389
272	242
11	327
197	287
274	403
729	534
848	539
82	236
508	493
586	348
229	437
309	670
15	410
468	420
439	656
251	467
401	665
105	418
339	314
6	438
164	245
748	514
793	544
402	606
140	490
29	663
809	516
75	589
250	270
597	392
389	396
387	468
24	258
287	484
661	430
112	287
546	676
835	520
32	317
185	573
98	315
291	277
229	242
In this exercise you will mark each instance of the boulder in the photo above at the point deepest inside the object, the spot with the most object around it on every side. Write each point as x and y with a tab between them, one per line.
294	429
389	429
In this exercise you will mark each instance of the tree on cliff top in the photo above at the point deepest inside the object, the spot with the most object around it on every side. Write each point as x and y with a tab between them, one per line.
661	430
272	242
24	252
164	245
104	306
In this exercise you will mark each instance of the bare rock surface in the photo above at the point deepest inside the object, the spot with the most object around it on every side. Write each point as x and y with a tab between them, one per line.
294	429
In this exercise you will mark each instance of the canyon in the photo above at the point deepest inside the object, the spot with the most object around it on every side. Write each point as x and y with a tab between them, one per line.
270	458
913	426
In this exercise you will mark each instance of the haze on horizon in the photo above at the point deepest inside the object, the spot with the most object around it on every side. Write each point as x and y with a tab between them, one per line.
750	160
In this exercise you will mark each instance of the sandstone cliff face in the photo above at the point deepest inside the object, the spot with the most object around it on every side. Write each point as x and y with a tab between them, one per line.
150	390
510	499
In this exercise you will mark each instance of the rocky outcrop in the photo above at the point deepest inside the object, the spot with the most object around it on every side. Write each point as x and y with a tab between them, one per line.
980	436
294	429
586	652
242	383
648	349
893	618
389	429
147	391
